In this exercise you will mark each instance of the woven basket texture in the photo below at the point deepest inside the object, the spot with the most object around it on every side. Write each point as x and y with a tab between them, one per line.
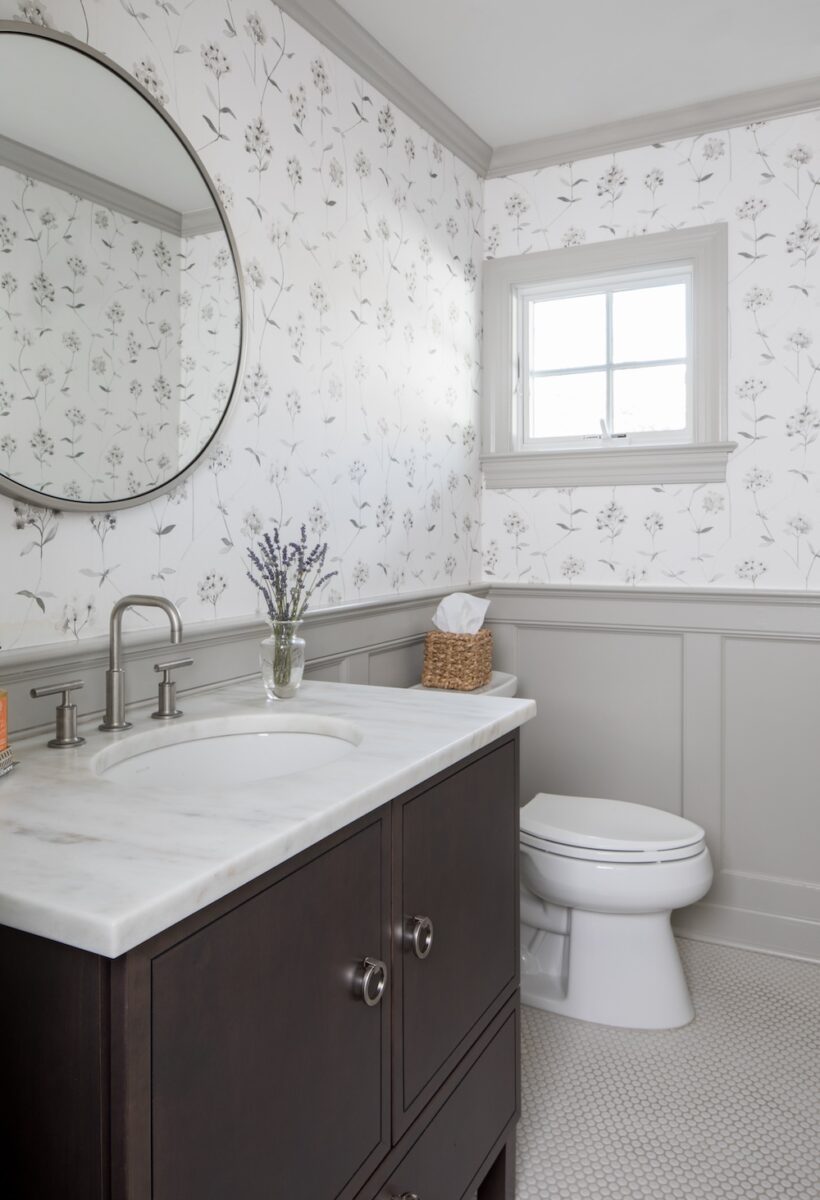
459	662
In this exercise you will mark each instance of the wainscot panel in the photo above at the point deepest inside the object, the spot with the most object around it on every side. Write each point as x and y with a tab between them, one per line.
701	702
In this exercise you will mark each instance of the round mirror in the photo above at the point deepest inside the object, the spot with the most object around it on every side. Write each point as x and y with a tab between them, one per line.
121	311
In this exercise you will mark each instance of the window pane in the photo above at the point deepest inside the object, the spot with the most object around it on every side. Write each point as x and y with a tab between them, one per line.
649	398
649	323
568	333
567	405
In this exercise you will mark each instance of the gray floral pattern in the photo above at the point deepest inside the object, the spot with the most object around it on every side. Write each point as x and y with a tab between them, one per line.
360	239
115	339
763	527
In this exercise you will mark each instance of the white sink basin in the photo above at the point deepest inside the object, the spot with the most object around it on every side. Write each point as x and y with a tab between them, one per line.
224	753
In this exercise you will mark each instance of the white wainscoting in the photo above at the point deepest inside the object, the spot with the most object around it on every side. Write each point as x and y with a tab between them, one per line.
702	703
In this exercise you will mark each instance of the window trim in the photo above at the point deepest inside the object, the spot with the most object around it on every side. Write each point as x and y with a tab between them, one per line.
507	462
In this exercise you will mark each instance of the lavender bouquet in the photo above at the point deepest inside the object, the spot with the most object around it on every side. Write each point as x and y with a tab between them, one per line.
287	574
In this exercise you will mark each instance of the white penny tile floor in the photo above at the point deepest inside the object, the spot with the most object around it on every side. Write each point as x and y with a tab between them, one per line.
727	1108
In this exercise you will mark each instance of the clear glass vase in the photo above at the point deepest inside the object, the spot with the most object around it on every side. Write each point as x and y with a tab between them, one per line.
282	659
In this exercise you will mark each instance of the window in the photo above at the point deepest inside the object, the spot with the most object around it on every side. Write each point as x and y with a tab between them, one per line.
606	363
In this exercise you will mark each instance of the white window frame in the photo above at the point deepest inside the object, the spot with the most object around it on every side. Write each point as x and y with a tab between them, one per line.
510	459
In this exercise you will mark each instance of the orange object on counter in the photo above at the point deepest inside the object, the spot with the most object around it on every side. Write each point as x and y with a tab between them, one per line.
4	721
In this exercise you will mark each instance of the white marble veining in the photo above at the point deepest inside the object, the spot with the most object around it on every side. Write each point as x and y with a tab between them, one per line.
104	866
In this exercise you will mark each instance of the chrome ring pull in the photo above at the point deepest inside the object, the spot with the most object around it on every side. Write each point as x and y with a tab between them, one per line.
421	936
407	1196
370	981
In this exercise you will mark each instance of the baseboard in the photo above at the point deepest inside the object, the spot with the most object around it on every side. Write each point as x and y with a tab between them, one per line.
764	933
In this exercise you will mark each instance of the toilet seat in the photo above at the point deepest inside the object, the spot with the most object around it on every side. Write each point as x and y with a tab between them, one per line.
608	831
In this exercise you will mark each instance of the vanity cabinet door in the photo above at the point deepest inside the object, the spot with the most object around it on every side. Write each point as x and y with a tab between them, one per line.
269	1072
456	858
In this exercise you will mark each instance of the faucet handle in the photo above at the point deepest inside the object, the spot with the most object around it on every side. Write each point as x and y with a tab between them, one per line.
173	664
167	701
66	733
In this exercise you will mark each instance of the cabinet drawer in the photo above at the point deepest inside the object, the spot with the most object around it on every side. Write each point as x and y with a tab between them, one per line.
457	865
448	1159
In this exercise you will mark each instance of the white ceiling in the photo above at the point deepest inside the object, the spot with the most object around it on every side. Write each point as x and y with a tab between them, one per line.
516	70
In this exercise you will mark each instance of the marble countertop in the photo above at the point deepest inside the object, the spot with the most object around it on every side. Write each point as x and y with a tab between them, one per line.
103	866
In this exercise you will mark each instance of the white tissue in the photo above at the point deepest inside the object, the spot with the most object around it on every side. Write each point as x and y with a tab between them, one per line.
460	613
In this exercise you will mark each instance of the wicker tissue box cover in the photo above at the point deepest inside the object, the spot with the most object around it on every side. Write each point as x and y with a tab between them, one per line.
460	662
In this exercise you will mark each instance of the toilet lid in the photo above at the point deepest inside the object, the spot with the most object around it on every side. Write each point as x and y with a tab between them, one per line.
590	823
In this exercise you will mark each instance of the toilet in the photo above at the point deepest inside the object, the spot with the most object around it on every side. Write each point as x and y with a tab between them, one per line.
599	881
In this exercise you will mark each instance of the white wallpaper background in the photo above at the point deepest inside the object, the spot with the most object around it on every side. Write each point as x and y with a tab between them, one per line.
360	239
762	528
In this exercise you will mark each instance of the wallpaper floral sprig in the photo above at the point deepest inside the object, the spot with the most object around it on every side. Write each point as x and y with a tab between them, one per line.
762	528
360	238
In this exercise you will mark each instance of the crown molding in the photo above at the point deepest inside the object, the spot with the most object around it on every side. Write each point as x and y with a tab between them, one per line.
77	182
764	104
350	41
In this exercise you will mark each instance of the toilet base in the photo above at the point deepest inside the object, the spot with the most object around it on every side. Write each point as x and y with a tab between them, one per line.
609	968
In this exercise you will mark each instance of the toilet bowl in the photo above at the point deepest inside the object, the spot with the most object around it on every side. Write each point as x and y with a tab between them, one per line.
599	881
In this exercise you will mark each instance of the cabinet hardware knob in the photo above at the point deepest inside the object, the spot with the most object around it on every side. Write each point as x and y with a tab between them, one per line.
407	1196
370	981
420	936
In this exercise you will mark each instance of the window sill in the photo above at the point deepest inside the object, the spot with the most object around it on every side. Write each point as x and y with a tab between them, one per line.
704	462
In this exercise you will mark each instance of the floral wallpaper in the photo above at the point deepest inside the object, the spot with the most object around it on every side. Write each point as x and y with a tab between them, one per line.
762	528
360	239
117	343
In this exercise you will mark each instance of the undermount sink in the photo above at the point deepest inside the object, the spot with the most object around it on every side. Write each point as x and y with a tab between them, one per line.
224	753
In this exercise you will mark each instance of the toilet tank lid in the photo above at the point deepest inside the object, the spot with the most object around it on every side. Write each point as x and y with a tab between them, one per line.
605	824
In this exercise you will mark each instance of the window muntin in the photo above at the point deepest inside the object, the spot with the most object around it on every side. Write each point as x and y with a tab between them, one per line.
612	350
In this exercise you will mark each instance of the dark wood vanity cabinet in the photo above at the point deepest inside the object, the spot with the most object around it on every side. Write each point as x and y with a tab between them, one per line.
235	1055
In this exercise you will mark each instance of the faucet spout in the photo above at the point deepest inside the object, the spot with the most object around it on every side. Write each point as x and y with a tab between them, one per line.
115	676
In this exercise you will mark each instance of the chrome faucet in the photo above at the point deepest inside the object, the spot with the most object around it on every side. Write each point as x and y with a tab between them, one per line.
115	676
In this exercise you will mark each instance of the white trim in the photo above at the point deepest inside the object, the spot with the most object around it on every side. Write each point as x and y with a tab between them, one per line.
702	462
704	250
764	104
345	37
68	178
766	612
200	221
